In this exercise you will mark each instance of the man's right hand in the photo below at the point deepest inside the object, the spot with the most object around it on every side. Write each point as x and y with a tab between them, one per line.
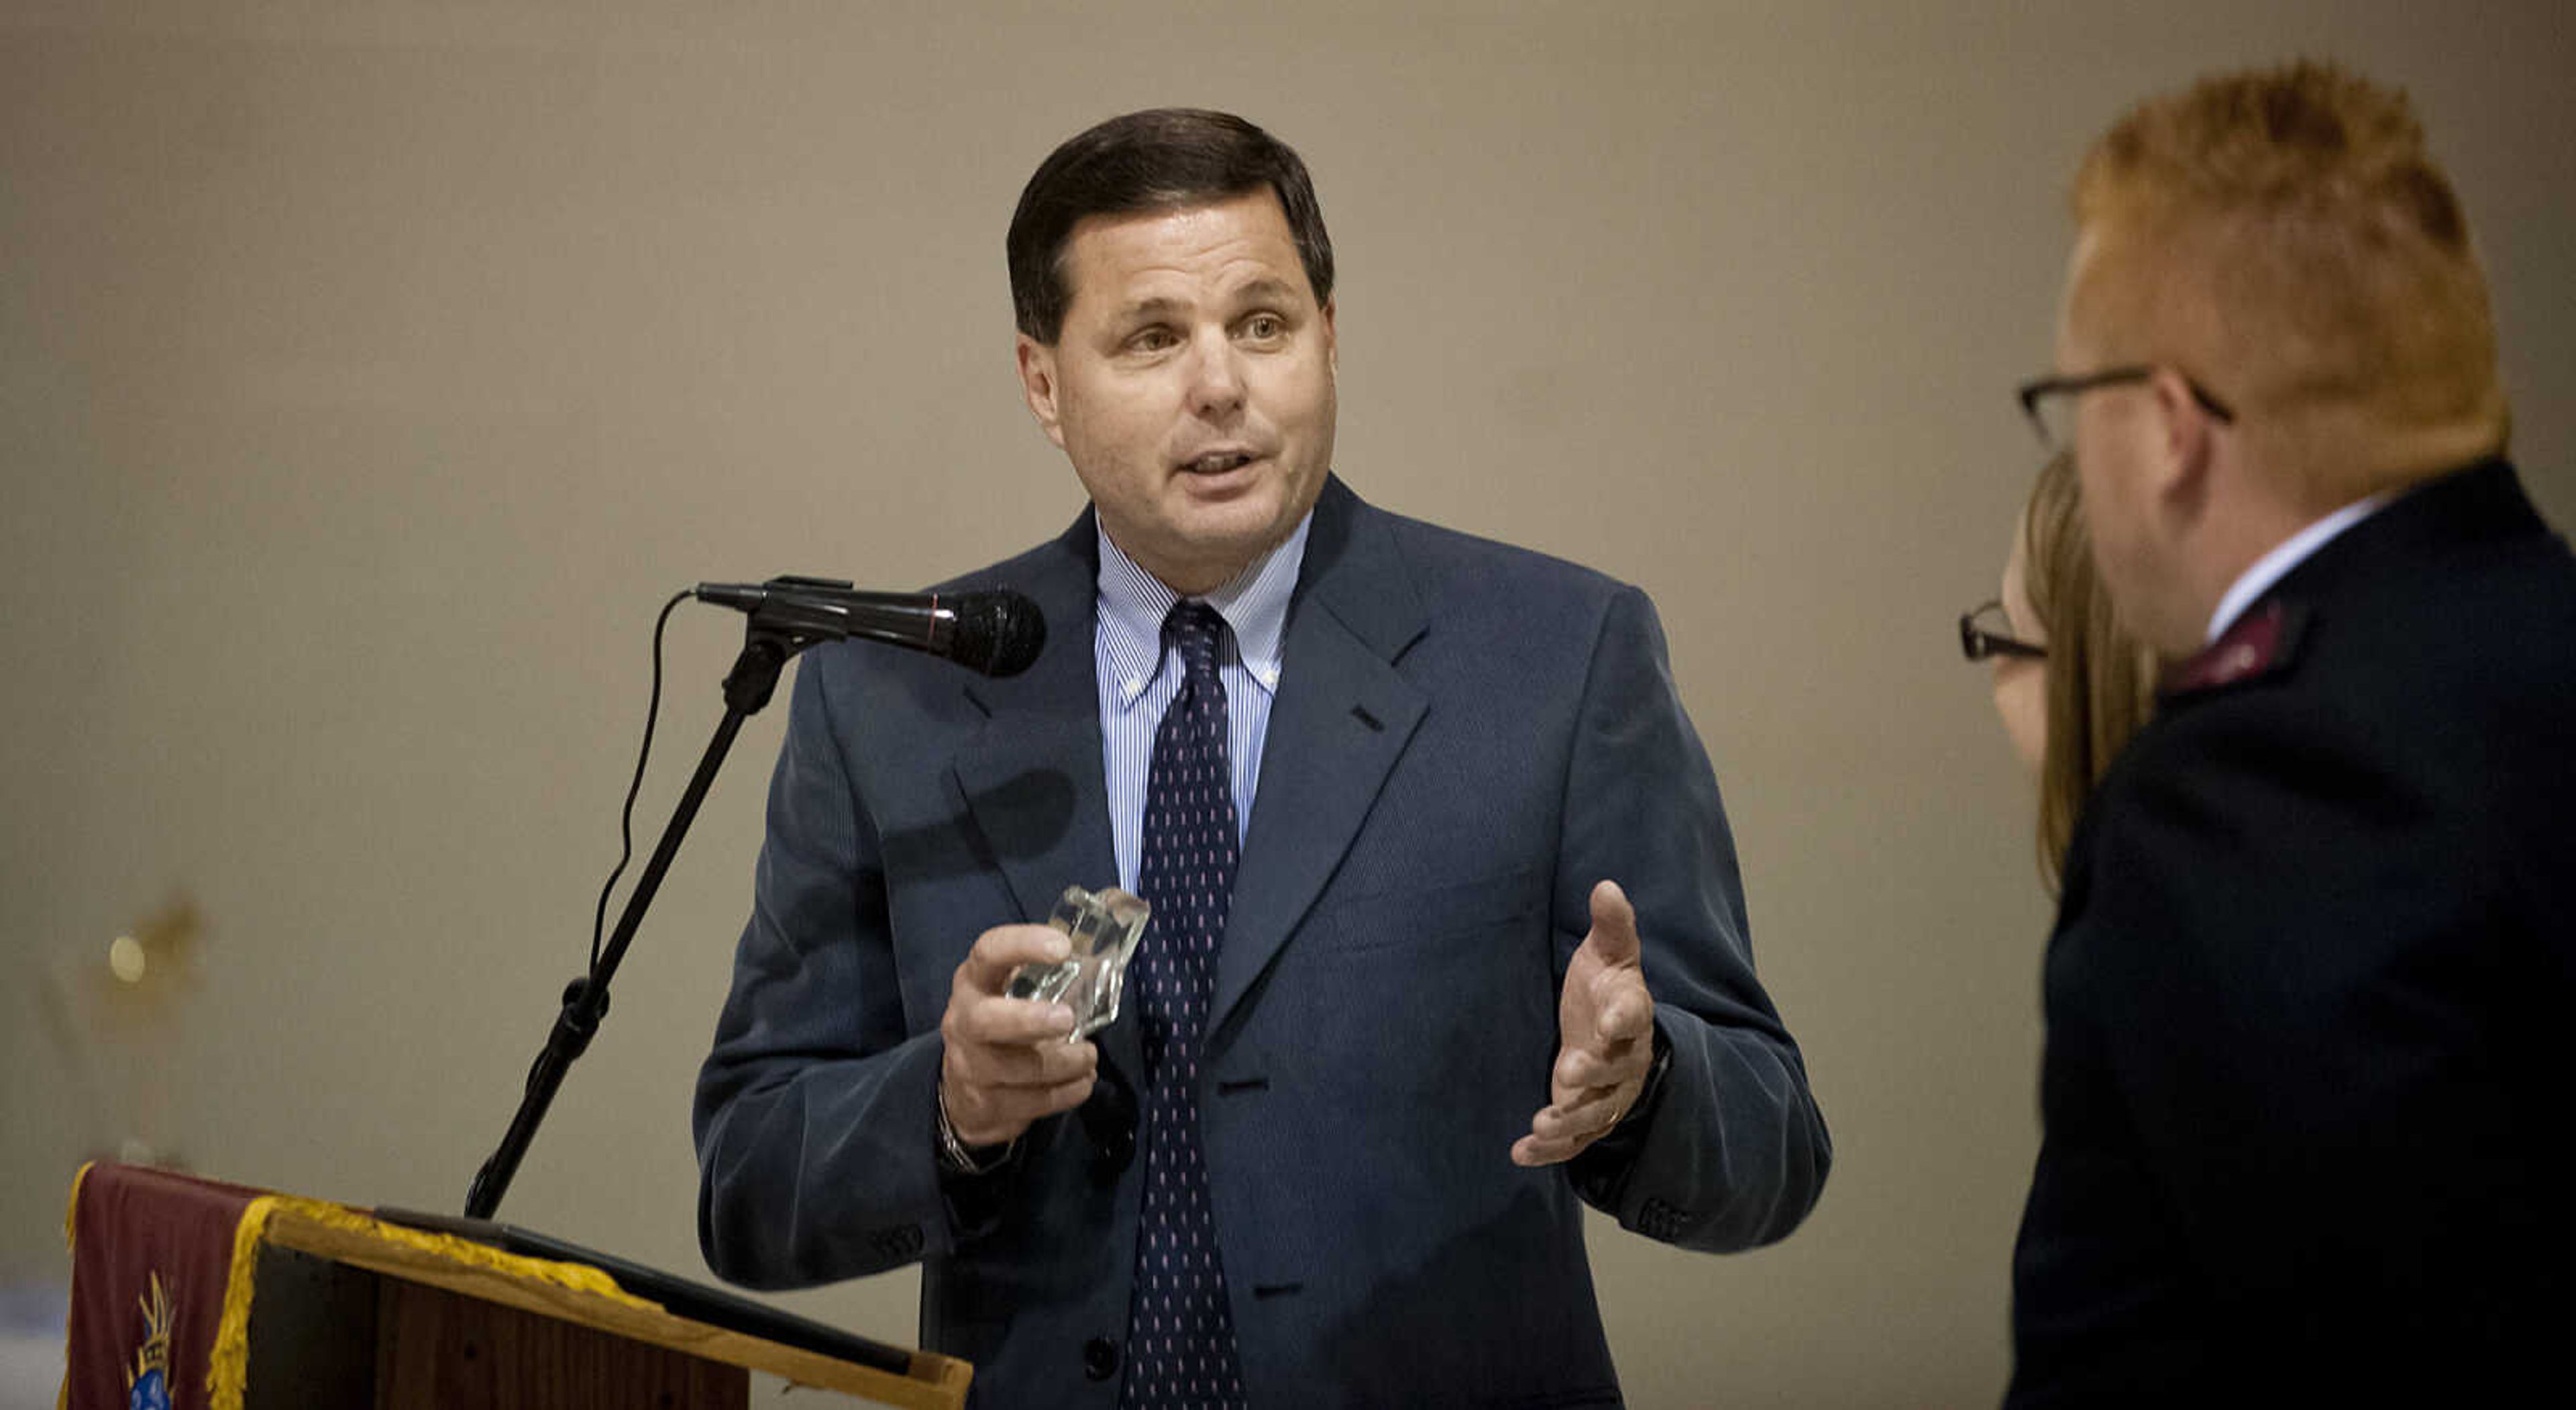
1007	1063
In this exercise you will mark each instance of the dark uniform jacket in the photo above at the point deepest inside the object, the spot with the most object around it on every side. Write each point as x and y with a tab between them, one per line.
2310	1086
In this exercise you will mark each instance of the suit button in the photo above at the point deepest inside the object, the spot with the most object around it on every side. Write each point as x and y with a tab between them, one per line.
1100	1358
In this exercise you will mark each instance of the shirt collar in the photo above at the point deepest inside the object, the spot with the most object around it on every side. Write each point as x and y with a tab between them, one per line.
1254	604
2289	553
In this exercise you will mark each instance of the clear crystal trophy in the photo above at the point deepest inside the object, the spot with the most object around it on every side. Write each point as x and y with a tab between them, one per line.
1105	928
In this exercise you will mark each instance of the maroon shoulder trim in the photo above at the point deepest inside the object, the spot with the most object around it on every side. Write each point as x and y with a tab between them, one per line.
2263	642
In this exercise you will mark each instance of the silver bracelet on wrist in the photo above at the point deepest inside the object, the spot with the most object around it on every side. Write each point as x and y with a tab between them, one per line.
953	1152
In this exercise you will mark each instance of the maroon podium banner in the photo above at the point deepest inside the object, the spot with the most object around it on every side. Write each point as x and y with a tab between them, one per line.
152	1266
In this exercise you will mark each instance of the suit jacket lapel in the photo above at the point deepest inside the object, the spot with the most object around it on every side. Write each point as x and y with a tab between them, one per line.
1342	718
1039	743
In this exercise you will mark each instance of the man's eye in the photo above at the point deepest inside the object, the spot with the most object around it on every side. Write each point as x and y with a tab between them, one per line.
1264	326
1151	340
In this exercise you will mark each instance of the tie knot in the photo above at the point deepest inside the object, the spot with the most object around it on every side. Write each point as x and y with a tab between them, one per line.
1195	629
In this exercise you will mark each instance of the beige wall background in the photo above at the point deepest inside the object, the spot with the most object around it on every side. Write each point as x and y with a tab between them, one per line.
370	372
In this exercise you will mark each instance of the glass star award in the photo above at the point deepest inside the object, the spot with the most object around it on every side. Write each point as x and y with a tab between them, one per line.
1105	928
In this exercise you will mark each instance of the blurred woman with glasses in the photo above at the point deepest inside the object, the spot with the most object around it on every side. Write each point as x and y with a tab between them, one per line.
2070	686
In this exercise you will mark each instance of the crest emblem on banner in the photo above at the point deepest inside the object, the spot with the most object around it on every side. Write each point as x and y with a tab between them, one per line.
147	1382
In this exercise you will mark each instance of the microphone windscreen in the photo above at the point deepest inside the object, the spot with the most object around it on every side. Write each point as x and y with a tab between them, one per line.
997	633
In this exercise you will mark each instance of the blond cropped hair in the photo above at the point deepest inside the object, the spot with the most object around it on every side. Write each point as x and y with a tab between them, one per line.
2285	237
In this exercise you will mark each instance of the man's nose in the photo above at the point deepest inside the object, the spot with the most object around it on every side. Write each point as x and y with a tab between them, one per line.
1216	376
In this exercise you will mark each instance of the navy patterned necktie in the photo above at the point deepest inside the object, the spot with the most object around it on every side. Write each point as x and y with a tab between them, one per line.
1180	1332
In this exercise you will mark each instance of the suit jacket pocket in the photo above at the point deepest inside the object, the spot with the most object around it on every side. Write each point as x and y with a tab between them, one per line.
1419	915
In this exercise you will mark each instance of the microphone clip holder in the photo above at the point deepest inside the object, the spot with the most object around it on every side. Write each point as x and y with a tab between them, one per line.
778	631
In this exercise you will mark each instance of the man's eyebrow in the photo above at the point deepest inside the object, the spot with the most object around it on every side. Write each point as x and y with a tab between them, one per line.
1157	307
1267	287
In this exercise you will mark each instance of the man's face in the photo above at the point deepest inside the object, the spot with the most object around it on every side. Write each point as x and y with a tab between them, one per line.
2114	444
1191	384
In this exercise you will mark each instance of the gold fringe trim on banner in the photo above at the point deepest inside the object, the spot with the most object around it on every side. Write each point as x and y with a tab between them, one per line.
71	1207
71	1238
228	1368
573	1277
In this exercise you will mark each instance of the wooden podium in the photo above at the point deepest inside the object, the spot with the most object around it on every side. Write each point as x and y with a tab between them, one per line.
327	1305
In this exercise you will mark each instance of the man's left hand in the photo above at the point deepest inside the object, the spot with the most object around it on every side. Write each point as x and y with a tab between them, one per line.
1605	1024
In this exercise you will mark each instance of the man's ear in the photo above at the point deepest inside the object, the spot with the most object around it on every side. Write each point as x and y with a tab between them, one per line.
1332	342
1038	386
2184	473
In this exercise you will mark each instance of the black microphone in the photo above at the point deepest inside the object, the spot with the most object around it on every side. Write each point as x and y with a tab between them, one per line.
993	633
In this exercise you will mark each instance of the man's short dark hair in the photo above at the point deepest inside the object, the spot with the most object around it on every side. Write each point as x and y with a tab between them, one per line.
1159	159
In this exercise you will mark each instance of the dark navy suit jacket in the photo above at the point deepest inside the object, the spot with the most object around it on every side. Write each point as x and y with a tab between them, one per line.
2309	1094
1466	738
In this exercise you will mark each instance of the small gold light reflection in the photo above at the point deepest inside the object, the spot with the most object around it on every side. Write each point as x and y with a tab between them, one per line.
126	959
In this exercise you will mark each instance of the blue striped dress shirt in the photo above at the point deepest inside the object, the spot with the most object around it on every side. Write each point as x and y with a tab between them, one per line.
1138	678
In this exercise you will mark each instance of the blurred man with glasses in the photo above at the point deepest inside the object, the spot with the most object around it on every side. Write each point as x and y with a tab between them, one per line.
2306	1102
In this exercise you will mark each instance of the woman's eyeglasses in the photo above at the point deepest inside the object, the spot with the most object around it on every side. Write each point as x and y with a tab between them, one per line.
1985	632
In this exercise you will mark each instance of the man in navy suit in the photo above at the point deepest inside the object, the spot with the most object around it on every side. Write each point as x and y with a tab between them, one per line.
1458	942
2307	1093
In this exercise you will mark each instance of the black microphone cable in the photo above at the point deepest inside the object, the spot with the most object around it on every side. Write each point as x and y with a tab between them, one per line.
626	815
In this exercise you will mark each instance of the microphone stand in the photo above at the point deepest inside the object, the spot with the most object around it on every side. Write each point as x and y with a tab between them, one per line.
769	641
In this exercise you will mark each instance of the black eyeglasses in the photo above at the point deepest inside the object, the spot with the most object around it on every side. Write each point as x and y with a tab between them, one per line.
1985	632
2057	433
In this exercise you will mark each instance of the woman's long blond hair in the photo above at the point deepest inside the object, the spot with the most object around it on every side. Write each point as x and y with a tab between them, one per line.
2100	680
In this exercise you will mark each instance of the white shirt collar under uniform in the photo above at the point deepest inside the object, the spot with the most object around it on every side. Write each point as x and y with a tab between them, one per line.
2289	553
